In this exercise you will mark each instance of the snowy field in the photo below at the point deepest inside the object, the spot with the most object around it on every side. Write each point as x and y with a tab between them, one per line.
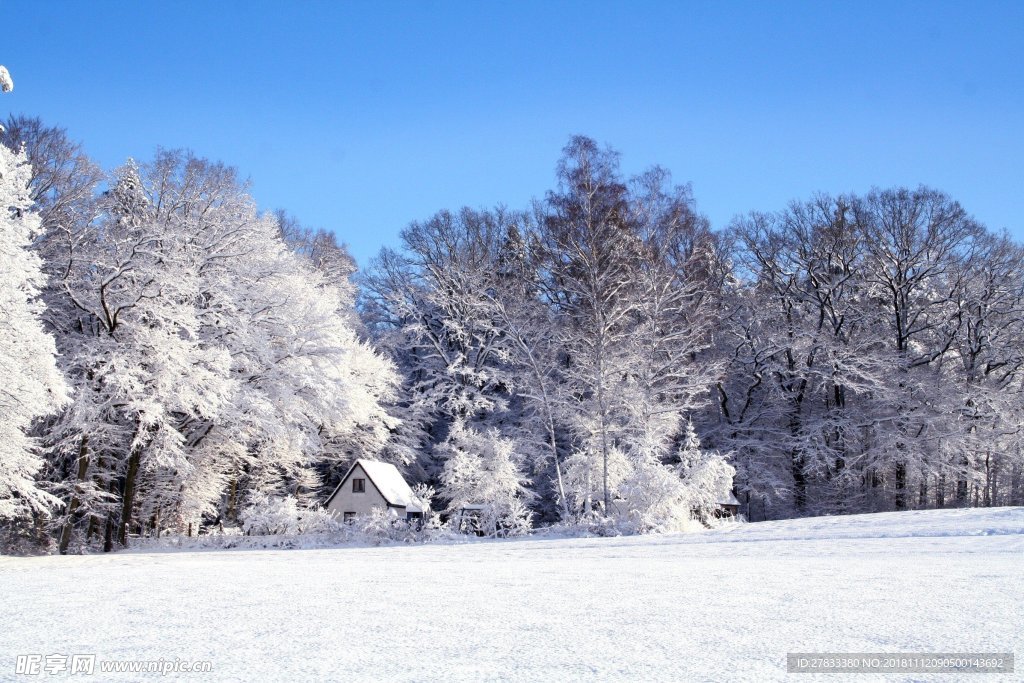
724	605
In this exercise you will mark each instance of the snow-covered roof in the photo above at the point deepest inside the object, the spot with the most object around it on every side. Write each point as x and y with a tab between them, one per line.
389	481
729	499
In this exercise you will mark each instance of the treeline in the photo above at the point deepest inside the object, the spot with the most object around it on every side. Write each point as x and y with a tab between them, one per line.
846	353
601	359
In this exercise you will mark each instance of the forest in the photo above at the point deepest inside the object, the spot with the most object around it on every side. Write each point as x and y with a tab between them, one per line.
173	359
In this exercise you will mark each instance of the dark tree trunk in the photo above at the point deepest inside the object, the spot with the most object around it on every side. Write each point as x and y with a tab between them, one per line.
962	489
83	466
799	482
108	534
901	486
1016	488
108	531
128	497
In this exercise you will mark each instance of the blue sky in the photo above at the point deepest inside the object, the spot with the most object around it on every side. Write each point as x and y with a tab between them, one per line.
362	116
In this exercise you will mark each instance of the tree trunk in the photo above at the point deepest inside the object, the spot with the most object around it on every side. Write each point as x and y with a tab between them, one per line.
549	420
799	481
1015	486
232	499
996	471
108	534
94	521
83	466
128	496
604	425
901	486
962	489
986	499
797	462
108	531
940	490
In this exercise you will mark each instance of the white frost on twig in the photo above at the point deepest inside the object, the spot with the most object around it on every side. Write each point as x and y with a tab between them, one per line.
6	84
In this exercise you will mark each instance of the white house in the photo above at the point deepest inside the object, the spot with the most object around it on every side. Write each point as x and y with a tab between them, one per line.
369	484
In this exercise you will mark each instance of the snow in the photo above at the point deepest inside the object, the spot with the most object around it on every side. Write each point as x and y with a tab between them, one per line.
719	605
6	84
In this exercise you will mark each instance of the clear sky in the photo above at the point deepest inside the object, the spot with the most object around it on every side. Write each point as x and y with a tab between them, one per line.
362	116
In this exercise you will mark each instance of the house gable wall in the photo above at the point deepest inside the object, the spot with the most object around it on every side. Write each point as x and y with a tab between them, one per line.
360	503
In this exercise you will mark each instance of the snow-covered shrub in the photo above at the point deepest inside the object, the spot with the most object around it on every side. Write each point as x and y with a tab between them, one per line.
506	519
317	520
268	515
381	525
584	477
708	481
425	494
662	497
482	474
652	498
706	475
647	494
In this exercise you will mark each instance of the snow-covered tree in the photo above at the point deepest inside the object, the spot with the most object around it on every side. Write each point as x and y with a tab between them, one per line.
592	253
30	384
482	473
706	475
210	359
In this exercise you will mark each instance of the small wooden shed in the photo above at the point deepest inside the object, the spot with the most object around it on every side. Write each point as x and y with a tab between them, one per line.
729	506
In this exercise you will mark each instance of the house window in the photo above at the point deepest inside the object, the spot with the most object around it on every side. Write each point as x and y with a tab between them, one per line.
350	517
358	485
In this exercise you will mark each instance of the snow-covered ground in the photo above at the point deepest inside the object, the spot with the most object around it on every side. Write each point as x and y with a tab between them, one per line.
716	606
